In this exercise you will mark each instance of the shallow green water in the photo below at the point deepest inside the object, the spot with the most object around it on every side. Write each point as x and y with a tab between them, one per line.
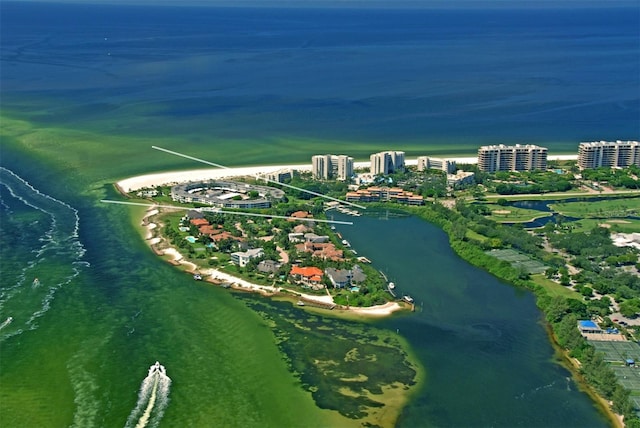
83	359
487	358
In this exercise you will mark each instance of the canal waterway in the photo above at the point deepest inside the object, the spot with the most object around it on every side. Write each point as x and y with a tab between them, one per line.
488	358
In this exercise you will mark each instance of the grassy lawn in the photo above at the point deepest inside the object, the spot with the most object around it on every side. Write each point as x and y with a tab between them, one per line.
621	207
476	236
616	225
510	214
574	193
554	289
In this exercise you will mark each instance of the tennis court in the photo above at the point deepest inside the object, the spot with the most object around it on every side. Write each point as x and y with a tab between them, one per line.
617	351
616	354
518	259
629	377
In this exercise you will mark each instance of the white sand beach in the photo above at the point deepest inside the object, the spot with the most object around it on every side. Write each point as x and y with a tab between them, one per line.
239	283
163	178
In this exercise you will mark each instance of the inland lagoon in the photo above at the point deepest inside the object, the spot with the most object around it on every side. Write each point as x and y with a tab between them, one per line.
86	308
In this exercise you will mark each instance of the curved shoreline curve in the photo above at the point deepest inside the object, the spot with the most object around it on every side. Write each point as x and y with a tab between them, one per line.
216	276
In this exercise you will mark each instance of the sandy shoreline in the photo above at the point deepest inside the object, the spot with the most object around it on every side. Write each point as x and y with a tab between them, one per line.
217	276
150	180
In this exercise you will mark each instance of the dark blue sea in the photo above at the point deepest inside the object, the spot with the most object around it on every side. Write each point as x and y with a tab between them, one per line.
449	80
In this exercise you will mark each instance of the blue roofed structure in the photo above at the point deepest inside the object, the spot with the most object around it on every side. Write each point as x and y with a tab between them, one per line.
588	326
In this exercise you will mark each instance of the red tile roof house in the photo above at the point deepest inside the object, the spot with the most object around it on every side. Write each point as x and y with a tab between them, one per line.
217	237
300	214
325	250
310	276
199	222
207	229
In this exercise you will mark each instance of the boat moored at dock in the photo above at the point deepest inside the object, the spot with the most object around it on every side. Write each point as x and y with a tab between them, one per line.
407	298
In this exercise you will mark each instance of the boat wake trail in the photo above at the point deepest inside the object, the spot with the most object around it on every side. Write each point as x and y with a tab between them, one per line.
153	399
6	323
42	255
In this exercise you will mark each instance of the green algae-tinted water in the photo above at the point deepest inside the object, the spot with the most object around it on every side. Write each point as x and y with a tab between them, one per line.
83	361
80	356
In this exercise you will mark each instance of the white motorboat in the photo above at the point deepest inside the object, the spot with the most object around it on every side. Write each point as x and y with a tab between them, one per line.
157	368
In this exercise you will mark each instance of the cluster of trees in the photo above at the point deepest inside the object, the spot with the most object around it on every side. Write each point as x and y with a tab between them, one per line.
598	260
521	189
627	177
331	188
534	182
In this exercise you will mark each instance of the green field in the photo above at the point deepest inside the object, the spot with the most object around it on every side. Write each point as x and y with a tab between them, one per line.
511	214
554	289
619	208
627	225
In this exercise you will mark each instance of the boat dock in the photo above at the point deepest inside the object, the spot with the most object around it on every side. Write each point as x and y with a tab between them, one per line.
407	298
391	292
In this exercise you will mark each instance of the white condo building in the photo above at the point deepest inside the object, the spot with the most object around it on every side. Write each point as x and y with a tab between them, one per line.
325	167
321	167
613	154
512	158
386	162
426	162
344	167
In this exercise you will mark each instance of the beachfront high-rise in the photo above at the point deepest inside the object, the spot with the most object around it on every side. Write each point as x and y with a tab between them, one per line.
613	154
386	162
344	165
321	167
325	167
512	158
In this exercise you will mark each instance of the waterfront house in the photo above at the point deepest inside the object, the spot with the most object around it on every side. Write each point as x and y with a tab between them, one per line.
241	258
309	275
321	250
268	266
316	239
340	278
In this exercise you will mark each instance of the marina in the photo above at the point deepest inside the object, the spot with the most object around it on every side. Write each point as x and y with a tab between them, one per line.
348	211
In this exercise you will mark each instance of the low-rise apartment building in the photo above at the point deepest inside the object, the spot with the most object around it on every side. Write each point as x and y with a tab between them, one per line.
375	194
